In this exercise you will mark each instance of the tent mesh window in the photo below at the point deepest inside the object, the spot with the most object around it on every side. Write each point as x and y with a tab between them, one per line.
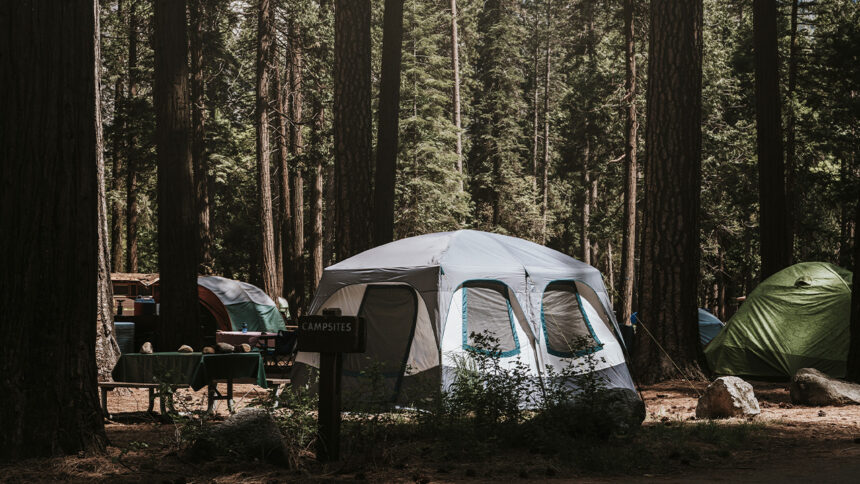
565	324
487	310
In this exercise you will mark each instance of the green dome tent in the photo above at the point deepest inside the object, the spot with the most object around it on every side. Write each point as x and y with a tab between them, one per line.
797	318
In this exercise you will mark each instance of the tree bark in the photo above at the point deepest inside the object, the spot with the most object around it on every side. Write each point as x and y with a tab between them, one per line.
667	341
131	206
48	205
265	33
178	236
116	170
297	145
792	199
388	123
773	224
285	207
545	167
107	350
455	64
853	365
631	169
198	142
352	126
585	239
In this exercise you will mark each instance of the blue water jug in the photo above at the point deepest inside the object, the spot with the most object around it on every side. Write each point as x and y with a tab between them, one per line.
244	327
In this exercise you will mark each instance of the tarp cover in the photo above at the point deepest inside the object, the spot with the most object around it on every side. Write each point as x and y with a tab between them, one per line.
245	303
797	318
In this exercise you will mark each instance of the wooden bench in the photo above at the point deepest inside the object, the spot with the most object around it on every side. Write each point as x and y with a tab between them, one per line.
106	387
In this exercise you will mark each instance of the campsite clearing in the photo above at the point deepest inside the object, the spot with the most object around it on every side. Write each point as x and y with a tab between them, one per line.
786	443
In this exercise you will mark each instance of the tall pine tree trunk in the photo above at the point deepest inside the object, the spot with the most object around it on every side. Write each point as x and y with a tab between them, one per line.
297	143
288	290
670	231
853	366
178	236
455	64
107	350
48	207
198	147
131	205
792	200
265	30
545	167
388	124
631	169
316	203
773	223
352	126
116	213
585	239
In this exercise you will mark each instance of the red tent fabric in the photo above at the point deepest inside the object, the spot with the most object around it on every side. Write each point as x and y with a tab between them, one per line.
211	302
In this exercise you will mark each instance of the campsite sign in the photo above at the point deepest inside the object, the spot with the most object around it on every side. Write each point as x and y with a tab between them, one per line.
331	335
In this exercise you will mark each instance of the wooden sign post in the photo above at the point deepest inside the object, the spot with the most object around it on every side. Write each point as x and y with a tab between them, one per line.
331	335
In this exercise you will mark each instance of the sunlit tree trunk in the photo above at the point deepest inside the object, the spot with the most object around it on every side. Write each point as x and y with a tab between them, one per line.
297	146
198	146
265	31
631	169
455	63
116	212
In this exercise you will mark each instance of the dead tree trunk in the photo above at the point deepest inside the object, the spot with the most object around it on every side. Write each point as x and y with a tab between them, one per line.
49	404
668	339
178	236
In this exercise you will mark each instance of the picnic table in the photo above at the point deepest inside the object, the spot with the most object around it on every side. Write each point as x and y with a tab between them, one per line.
196	370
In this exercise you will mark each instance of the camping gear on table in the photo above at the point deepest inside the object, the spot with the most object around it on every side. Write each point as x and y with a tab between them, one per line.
423	298
236	305
797	318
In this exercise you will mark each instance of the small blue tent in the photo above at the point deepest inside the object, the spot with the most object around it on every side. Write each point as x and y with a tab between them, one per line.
709	325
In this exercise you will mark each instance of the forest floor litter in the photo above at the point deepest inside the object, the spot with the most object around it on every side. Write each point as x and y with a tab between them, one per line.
786	443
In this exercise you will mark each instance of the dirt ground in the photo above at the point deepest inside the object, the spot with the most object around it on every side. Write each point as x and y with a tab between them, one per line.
794	444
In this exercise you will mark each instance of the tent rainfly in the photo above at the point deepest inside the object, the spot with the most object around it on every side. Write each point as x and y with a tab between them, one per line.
709	326
423	299
234	303
797	318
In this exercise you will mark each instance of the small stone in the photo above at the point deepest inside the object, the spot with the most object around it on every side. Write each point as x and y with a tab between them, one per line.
185	349
208	350
224	348
822	413
146	348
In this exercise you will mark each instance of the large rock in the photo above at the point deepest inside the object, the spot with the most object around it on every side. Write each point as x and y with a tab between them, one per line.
625	409
812	387
251	433
728	396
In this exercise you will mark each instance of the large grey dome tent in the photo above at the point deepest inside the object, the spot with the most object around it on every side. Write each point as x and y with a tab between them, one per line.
423	297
